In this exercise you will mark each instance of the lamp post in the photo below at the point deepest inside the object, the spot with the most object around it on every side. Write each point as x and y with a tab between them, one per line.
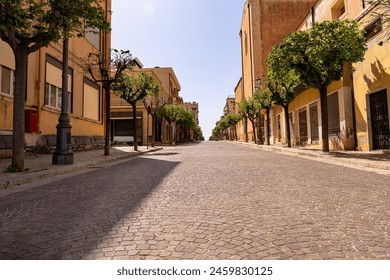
63	154
260	134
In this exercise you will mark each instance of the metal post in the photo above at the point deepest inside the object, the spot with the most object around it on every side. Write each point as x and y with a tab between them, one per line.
63	154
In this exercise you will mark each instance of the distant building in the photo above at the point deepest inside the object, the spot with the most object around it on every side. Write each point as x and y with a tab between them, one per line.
193	107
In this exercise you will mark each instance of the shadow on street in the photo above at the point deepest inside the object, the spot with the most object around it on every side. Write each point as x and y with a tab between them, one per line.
67	218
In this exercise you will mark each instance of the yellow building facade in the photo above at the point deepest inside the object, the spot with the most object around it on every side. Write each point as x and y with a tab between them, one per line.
44	83
358	104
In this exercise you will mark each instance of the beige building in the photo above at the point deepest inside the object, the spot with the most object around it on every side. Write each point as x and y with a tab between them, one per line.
358	104
229	109
44	83
240	128
121	111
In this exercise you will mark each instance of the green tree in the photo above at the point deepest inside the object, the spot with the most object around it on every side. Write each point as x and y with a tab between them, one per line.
233	120
106	70
199	133
27	26
153	104
318	56
283	92
220	128
248	109
185	120
264	98
169	113
133	88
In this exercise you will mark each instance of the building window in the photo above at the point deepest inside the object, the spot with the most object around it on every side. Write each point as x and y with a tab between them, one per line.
91	100
53	96
338	9
53	88
6	79
373	29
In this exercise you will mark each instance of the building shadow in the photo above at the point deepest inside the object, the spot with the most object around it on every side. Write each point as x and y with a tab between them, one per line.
68	218
384	157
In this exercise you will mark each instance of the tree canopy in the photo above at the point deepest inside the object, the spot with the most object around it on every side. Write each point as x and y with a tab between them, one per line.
134	87
318	55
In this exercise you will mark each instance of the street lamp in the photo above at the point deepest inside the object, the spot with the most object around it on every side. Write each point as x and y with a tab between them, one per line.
63	154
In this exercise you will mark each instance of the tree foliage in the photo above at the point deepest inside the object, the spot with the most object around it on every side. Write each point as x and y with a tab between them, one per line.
179	115
249	109
318	55
153	104
223	124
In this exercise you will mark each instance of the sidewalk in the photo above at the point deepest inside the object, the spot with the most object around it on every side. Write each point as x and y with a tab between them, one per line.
356	159
40	166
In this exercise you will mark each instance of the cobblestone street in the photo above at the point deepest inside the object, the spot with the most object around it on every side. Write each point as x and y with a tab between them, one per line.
212	200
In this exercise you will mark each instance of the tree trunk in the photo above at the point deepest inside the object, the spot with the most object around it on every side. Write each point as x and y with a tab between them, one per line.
254	130
324	118
107	129
268	128
260	134
287	122
153	130
21	61
246	130
169	133
135	141
235	132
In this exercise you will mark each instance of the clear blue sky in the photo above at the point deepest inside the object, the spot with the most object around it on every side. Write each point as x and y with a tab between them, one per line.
199	39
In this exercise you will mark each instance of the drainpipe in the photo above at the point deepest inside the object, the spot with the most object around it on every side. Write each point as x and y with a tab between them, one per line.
251	46
363	4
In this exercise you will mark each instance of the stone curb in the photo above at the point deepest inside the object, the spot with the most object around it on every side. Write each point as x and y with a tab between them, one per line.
318	155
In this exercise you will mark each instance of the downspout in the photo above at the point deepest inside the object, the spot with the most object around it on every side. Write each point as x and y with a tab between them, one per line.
251	47
363	4
251	62
39	88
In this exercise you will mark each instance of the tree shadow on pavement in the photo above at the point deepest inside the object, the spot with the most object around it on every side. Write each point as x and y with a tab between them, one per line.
68	218
359	155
